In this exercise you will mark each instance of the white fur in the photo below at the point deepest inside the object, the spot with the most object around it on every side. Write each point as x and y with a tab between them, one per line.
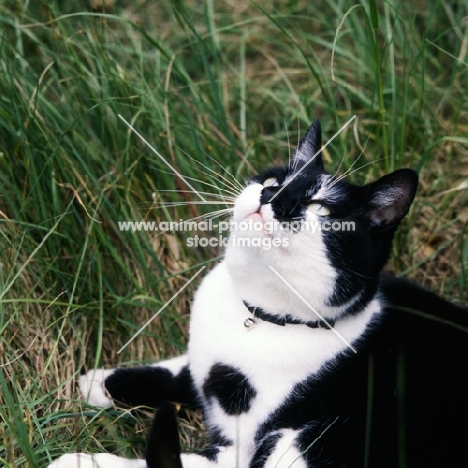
389	195
99	460
192	460
328	189
92	387
174	365
286	454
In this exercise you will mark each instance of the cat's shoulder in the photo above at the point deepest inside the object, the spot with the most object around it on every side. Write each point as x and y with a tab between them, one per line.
415	317
409	298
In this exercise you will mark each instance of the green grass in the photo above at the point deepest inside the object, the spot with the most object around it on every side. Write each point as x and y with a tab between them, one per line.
220	89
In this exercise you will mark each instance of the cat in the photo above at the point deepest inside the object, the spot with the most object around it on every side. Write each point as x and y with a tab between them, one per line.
305	354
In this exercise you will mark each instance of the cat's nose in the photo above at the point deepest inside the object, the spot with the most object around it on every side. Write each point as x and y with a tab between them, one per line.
267	194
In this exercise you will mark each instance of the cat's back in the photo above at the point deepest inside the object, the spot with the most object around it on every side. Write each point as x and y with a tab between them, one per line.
431	332
418	366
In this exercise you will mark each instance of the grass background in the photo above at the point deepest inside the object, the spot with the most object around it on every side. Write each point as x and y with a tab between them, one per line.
220	89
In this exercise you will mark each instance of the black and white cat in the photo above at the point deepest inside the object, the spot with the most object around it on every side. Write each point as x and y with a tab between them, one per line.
304	355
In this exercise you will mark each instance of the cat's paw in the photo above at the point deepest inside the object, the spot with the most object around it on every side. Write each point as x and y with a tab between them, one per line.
99	460
92	387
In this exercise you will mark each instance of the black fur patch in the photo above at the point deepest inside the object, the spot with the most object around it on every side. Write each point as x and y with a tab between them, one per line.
217	439
230	387
163	448
150	386
264	450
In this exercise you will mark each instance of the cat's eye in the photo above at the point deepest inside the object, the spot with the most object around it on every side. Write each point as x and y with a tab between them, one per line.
271	182
318	209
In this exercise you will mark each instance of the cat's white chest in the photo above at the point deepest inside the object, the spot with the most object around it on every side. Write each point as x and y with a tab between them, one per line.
274	358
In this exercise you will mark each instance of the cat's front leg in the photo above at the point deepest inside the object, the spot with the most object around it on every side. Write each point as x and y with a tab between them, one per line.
98	460
140	386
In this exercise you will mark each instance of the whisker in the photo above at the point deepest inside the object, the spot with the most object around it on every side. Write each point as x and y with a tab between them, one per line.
348	171
217	214
289	143
298	140
173	204
364	165
229	192
210	185
206	216
338	169
227	182
240	186
215	196
350	270
212	214
159	155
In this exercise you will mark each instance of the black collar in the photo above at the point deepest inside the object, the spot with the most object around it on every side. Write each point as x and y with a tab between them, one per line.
259	313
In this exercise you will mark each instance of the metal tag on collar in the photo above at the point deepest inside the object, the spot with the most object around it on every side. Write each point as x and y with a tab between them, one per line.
250	322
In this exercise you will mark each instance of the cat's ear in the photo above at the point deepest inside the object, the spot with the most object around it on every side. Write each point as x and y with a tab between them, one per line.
389	198
308	147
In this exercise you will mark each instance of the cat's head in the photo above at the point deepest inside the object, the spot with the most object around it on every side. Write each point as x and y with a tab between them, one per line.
325	237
